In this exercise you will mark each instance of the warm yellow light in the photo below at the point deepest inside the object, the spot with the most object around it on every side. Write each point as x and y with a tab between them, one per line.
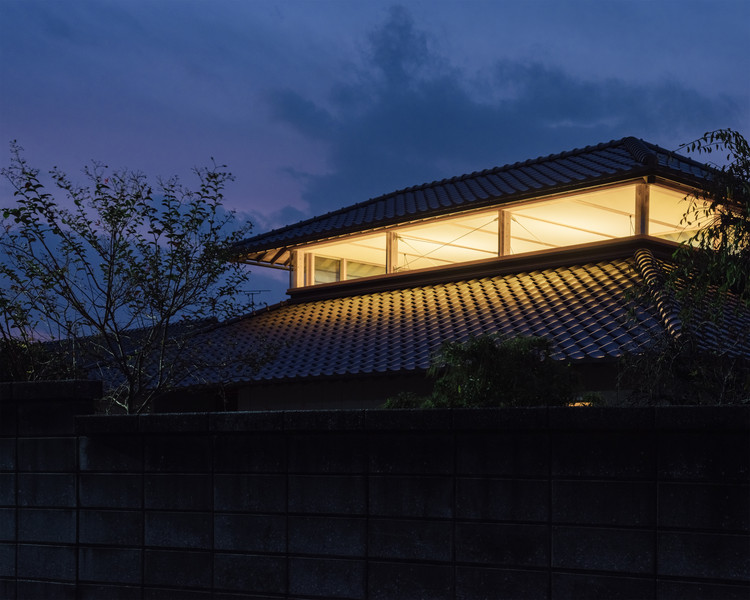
546	224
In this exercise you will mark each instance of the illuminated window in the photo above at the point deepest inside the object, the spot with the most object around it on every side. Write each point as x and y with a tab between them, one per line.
535	225
355	270
447	241
327	270
591	217
666	211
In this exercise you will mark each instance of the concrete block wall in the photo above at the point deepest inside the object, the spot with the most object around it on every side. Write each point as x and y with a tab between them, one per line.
38	487
535	503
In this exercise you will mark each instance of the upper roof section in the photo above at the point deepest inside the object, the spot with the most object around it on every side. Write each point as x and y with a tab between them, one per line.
616	160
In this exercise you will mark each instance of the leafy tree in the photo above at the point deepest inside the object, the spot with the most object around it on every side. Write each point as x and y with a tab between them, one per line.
678	370
706	359
715	262
116	275
492	370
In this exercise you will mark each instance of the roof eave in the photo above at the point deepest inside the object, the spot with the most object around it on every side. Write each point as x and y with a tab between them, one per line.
517	263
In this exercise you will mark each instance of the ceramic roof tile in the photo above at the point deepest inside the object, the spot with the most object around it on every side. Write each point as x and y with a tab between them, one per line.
400	329
622	158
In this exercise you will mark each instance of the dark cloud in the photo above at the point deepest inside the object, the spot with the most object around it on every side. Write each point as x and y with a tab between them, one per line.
303	114
399	51
410	117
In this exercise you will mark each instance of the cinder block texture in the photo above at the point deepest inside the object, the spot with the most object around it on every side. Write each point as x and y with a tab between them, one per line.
705	555
46	562
405	581
700	590
243	492
250	533
177	453
603	455
502	544
110	490
428	497
7	587
503	454
411	453
111	453
178	529
329	536
712	506
251	452
177	568
250	574
598	549
597	587
47	525
110	565
49	590
329	452
411	540
7	524
327	578
502	499
178	491
328	494
111	527
625	503
478	583
47	454
558	503
7	489
97	591
47	489
8	454
7	560
706	456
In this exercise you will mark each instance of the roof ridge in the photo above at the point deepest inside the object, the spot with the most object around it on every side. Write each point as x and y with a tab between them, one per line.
548	157
599	162
648	267
639	151
438	182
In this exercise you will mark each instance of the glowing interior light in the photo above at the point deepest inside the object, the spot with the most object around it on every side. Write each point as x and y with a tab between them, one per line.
546	224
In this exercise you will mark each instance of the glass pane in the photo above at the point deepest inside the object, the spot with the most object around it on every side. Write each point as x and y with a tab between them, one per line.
580	219
355	270
666	215
327	270
447	241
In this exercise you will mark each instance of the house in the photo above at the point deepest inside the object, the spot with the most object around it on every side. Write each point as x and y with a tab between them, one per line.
545	247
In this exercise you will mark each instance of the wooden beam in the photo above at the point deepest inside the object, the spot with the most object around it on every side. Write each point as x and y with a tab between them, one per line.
391	251
297	274
309	276
641	208
503	233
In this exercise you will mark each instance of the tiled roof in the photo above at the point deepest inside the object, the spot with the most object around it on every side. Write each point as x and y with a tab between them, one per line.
611	161
581	308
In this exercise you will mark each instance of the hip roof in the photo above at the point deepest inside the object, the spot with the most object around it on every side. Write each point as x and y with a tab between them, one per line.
593	165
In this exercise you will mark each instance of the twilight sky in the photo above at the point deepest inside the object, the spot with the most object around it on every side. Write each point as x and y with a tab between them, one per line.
315	105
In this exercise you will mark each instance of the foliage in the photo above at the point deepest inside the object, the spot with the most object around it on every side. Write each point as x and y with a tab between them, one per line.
677	371
492	370
715	262
29	360
124	273
706	360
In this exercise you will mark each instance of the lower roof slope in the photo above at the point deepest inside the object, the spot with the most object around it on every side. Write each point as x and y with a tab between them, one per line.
583	308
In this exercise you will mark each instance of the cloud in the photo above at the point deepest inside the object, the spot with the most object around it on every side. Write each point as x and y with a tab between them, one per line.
409	116
302	114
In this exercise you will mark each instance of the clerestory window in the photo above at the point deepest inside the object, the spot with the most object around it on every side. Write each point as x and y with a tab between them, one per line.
535	225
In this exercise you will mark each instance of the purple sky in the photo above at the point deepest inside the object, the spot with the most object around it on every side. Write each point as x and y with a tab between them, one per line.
317	105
